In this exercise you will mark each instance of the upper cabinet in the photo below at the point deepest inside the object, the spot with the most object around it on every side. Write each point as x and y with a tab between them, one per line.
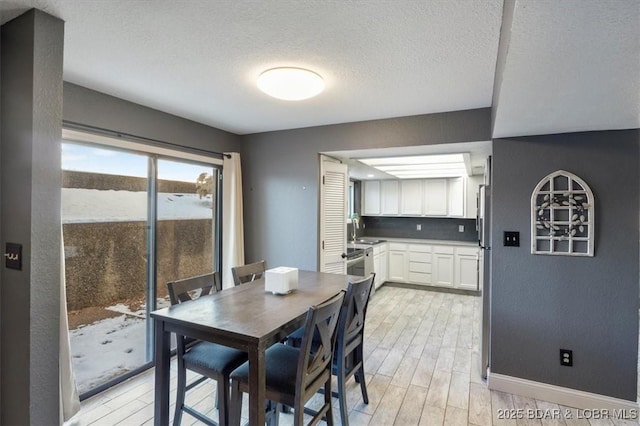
453	197
371	197
411	197
389	197
456	197
435	197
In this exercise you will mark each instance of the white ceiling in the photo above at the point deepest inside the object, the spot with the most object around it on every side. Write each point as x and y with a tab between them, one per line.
570	65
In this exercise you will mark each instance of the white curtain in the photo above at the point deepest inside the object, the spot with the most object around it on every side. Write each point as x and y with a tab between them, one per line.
69	398
232	221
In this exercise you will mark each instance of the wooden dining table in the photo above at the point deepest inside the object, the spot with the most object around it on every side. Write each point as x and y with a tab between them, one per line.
244	317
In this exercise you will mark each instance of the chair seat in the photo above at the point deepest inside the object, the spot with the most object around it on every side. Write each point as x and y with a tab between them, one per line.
214	357
295	338
281	369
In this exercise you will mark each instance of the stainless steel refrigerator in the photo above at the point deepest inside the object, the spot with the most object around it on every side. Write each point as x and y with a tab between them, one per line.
484	241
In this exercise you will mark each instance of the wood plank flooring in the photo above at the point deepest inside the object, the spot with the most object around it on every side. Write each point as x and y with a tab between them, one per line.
422	368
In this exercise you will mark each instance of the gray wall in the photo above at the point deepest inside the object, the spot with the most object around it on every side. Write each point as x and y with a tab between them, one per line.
589	305
280	172
32	112
91	108
31	85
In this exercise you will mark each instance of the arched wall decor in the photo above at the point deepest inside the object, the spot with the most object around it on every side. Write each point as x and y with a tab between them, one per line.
562	216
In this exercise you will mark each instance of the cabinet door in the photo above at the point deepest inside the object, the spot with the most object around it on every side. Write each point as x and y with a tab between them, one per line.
389	197
376	264
456	197
371	197
466	272
471	189
411	197
443	265
397	266
435	197
384	264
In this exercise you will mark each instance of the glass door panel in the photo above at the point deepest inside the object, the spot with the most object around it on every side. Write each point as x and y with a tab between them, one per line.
187	211
104	216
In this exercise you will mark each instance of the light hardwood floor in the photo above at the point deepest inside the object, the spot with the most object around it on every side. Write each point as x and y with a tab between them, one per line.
422	368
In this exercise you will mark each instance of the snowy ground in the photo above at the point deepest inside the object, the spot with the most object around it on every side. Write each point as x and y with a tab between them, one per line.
110	347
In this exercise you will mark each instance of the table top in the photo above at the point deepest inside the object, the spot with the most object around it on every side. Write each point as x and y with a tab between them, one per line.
248	312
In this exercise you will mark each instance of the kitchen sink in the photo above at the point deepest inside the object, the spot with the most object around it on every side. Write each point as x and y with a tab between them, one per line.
367	242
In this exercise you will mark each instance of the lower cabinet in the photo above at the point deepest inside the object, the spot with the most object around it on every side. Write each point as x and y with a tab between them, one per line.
443	259
380	264
437	265
397	263
419	257
466	268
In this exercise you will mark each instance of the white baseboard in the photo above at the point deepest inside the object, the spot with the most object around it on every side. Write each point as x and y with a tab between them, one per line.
557	394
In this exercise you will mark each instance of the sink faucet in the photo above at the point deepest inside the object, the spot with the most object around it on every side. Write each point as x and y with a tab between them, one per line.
355	222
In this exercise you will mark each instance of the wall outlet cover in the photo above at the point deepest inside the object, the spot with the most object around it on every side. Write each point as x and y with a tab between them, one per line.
566	357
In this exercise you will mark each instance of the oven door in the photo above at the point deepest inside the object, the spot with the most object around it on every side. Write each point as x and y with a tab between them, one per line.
355	265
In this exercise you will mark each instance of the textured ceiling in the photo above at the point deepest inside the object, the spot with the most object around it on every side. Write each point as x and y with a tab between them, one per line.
568	65
200	59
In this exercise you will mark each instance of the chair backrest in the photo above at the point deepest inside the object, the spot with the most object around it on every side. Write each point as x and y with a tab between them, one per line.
314	368
183	290
353	315
247	273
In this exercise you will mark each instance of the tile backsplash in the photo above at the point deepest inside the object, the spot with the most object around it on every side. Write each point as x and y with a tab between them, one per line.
431	228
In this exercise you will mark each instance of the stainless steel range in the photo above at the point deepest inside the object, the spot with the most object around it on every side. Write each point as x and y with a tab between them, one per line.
359	261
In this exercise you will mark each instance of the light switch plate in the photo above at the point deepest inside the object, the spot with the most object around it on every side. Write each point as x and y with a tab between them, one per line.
13	256
511	239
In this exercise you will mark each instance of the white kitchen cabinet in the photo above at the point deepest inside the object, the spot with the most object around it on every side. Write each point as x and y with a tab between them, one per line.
454	266
443	265
397	263
466	268
411	197
371	194
380	261
472	187
389	197
435	200
419	264
456	195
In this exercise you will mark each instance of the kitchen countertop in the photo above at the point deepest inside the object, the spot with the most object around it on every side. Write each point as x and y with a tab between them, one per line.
412	241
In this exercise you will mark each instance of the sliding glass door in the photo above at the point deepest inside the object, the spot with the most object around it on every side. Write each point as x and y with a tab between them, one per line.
132	222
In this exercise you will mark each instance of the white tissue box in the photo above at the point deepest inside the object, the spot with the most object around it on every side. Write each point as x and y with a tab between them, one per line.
281	280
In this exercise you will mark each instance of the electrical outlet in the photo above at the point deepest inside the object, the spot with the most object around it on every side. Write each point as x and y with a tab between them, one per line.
566	357
460	228
418	227
511	239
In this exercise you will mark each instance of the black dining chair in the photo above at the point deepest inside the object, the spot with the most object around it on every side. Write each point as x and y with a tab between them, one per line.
247	273
210	360
348	359
294	375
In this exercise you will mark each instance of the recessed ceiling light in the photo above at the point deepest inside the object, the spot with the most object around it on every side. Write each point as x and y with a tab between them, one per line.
422	166
290	84
369	175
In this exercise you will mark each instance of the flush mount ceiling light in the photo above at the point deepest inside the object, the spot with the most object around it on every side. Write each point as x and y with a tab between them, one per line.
290	84
422	166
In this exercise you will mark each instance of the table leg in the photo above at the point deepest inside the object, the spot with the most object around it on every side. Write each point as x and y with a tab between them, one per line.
162	362
256	386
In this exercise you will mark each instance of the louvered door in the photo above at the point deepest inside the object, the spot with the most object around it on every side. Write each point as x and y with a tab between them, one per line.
333	217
